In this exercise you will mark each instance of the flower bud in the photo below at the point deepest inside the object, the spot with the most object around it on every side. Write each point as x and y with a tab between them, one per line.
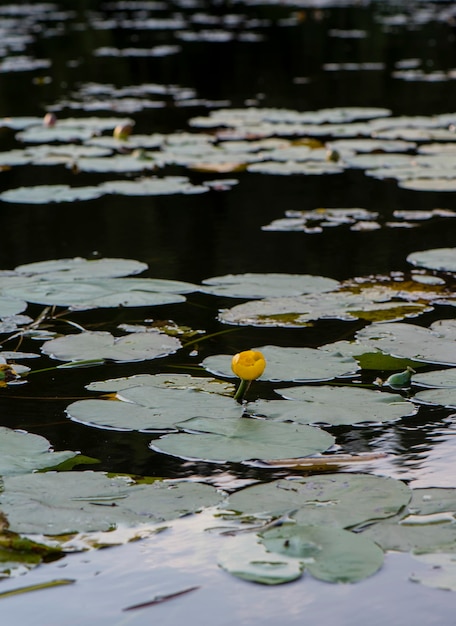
248	365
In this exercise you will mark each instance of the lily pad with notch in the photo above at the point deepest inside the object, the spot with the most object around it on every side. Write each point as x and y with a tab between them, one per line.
238	440
57	503
103	346
427	345
149	408
333	406
266	285
290	364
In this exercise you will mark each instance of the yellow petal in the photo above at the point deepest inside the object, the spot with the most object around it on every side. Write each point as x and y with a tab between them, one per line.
248	365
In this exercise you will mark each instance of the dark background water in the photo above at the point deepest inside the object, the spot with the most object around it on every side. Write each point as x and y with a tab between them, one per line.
195	237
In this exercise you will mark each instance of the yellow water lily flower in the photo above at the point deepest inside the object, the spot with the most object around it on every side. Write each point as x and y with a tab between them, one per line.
248	365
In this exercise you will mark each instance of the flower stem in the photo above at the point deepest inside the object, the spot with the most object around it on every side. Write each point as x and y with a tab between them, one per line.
242	390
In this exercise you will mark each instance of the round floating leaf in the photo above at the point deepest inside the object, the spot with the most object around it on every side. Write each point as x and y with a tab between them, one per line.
290	364
424	538
296	167
444	396
266	285
173	381
237	440
109	292
438	378
22	453
43	194
333	405
330	554
76	268
428	184
10	307
245	557
70	502
368	357
429	345
153	186
441	259
295	312
147	408
117	163
102	345
342	500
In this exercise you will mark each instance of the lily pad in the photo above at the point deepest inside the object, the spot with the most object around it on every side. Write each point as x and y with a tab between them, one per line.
333	405
440	259
98	293
299	311
10	307
22	453
148	408
425	525
330	554
43	194
369	358
104	346
429	184
64	269
56	503
290	364
166	381
437	378
445	396
336	500
153	186
428	345
238	440
247	558
266	285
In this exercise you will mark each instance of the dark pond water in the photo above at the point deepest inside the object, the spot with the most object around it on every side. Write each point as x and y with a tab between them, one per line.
72	58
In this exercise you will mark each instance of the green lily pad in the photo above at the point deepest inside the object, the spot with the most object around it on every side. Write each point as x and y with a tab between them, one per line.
428	345
445	396
247	558
429	184
330	554
296	167
290	364
56	503
266	285
147	408
341	500
43	194
333	405
22	453
369	358
76	268
153	186
437	378
238	440
104	346
295	312
441	259
98	293
10	307
172	381
116	163
426	525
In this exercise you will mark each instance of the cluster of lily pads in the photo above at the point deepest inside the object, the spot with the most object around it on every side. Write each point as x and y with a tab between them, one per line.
336	526
417	152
